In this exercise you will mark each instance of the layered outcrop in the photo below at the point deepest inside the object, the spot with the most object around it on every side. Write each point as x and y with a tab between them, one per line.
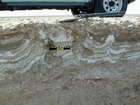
101	68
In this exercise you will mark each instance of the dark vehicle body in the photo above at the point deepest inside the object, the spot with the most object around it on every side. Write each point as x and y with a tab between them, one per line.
76	6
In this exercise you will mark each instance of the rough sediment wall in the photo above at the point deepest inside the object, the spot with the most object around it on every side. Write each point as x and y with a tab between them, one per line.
101	68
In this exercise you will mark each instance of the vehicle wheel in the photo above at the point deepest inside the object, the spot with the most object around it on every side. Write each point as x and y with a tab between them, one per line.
76	11
111	6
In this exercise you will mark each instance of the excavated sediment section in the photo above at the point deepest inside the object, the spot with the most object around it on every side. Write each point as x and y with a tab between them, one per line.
101	68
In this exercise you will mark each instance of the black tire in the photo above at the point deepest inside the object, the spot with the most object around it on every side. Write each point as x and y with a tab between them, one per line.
107	6
76	11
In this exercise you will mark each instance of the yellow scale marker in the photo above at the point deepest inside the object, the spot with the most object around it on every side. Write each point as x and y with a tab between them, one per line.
60	48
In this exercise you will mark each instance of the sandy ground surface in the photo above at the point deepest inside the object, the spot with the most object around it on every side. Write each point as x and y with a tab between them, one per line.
101	68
